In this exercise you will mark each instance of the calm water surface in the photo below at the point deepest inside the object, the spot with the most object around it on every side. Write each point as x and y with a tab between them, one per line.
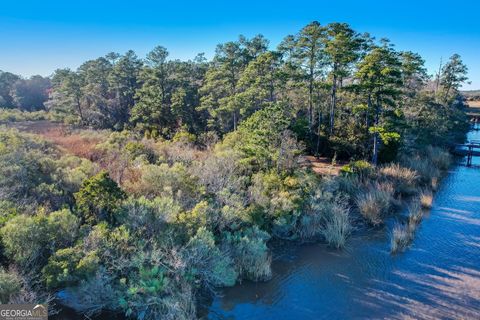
437	278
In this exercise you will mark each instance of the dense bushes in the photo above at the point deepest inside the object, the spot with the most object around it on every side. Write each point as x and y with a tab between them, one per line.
98	199
10	285
29	240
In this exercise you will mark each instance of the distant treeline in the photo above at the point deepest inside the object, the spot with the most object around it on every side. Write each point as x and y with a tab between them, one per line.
328	78
24	94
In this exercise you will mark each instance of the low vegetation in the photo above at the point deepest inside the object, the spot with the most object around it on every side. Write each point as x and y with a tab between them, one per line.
175	176
404	233
426	199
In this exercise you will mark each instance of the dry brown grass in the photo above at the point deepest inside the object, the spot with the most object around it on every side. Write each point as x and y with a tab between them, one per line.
404	179
80	143
426	199
81	146
375	202
401	238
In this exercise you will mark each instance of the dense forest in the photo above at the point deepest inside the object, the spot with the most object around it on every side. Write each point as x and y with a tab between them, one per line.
193	167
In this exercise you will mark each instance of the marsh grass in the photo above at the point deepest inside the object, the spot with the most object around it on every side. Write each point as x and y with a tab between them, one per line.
426	199
415	214
429	165
404	233
375	202
401	238
260	269
404	179
310	226
440	158
337	226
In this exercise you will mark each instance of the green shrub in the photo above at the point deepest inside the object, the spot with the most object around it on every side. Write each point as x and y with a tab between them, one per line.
359	167
137	149
206	263
183	136
279	197
250	253
99	198
15	115
30	240
148	218
10	285
68	266
202	215
168	181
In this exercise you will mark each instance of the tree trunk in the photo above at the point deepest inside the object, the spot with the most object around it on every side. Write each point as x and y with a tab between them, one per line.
375	136
234	120
447	92
310	101
334	100
318	132
80	113
437	85
369	107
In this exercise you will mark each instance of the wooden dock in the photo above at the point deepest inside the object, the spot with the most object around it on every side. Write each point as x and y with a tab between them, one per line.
469	149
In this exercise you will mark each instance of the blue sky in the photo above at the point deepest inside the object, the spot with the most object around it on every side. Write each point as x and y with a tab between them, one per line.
37	37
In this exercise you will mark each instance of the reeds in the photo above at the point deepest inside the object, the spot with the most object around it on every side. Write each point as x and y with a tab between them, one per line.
404	179
404	233
337	226
426	199
401	238
375	203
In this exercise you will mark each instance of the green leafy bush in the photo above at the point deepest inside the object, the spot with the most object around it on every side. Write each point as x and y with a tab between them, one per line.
99	198
359	167
30	240
10	285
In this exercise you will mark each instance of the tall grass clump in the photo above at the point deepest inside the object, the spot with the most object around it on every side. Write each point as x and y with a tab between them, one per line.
337	226
403	234
375	203
429	164
349	185
426	199
326	215
401	238
415	214
404	179
425	169
440	158
319	205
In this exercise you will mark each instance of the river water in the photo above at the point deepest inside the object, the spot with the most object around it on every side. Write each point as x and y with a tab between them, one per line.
437	278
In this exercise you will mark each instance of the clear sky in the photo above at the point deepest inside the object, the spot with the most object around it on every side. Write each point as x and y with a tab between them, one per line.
37	37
